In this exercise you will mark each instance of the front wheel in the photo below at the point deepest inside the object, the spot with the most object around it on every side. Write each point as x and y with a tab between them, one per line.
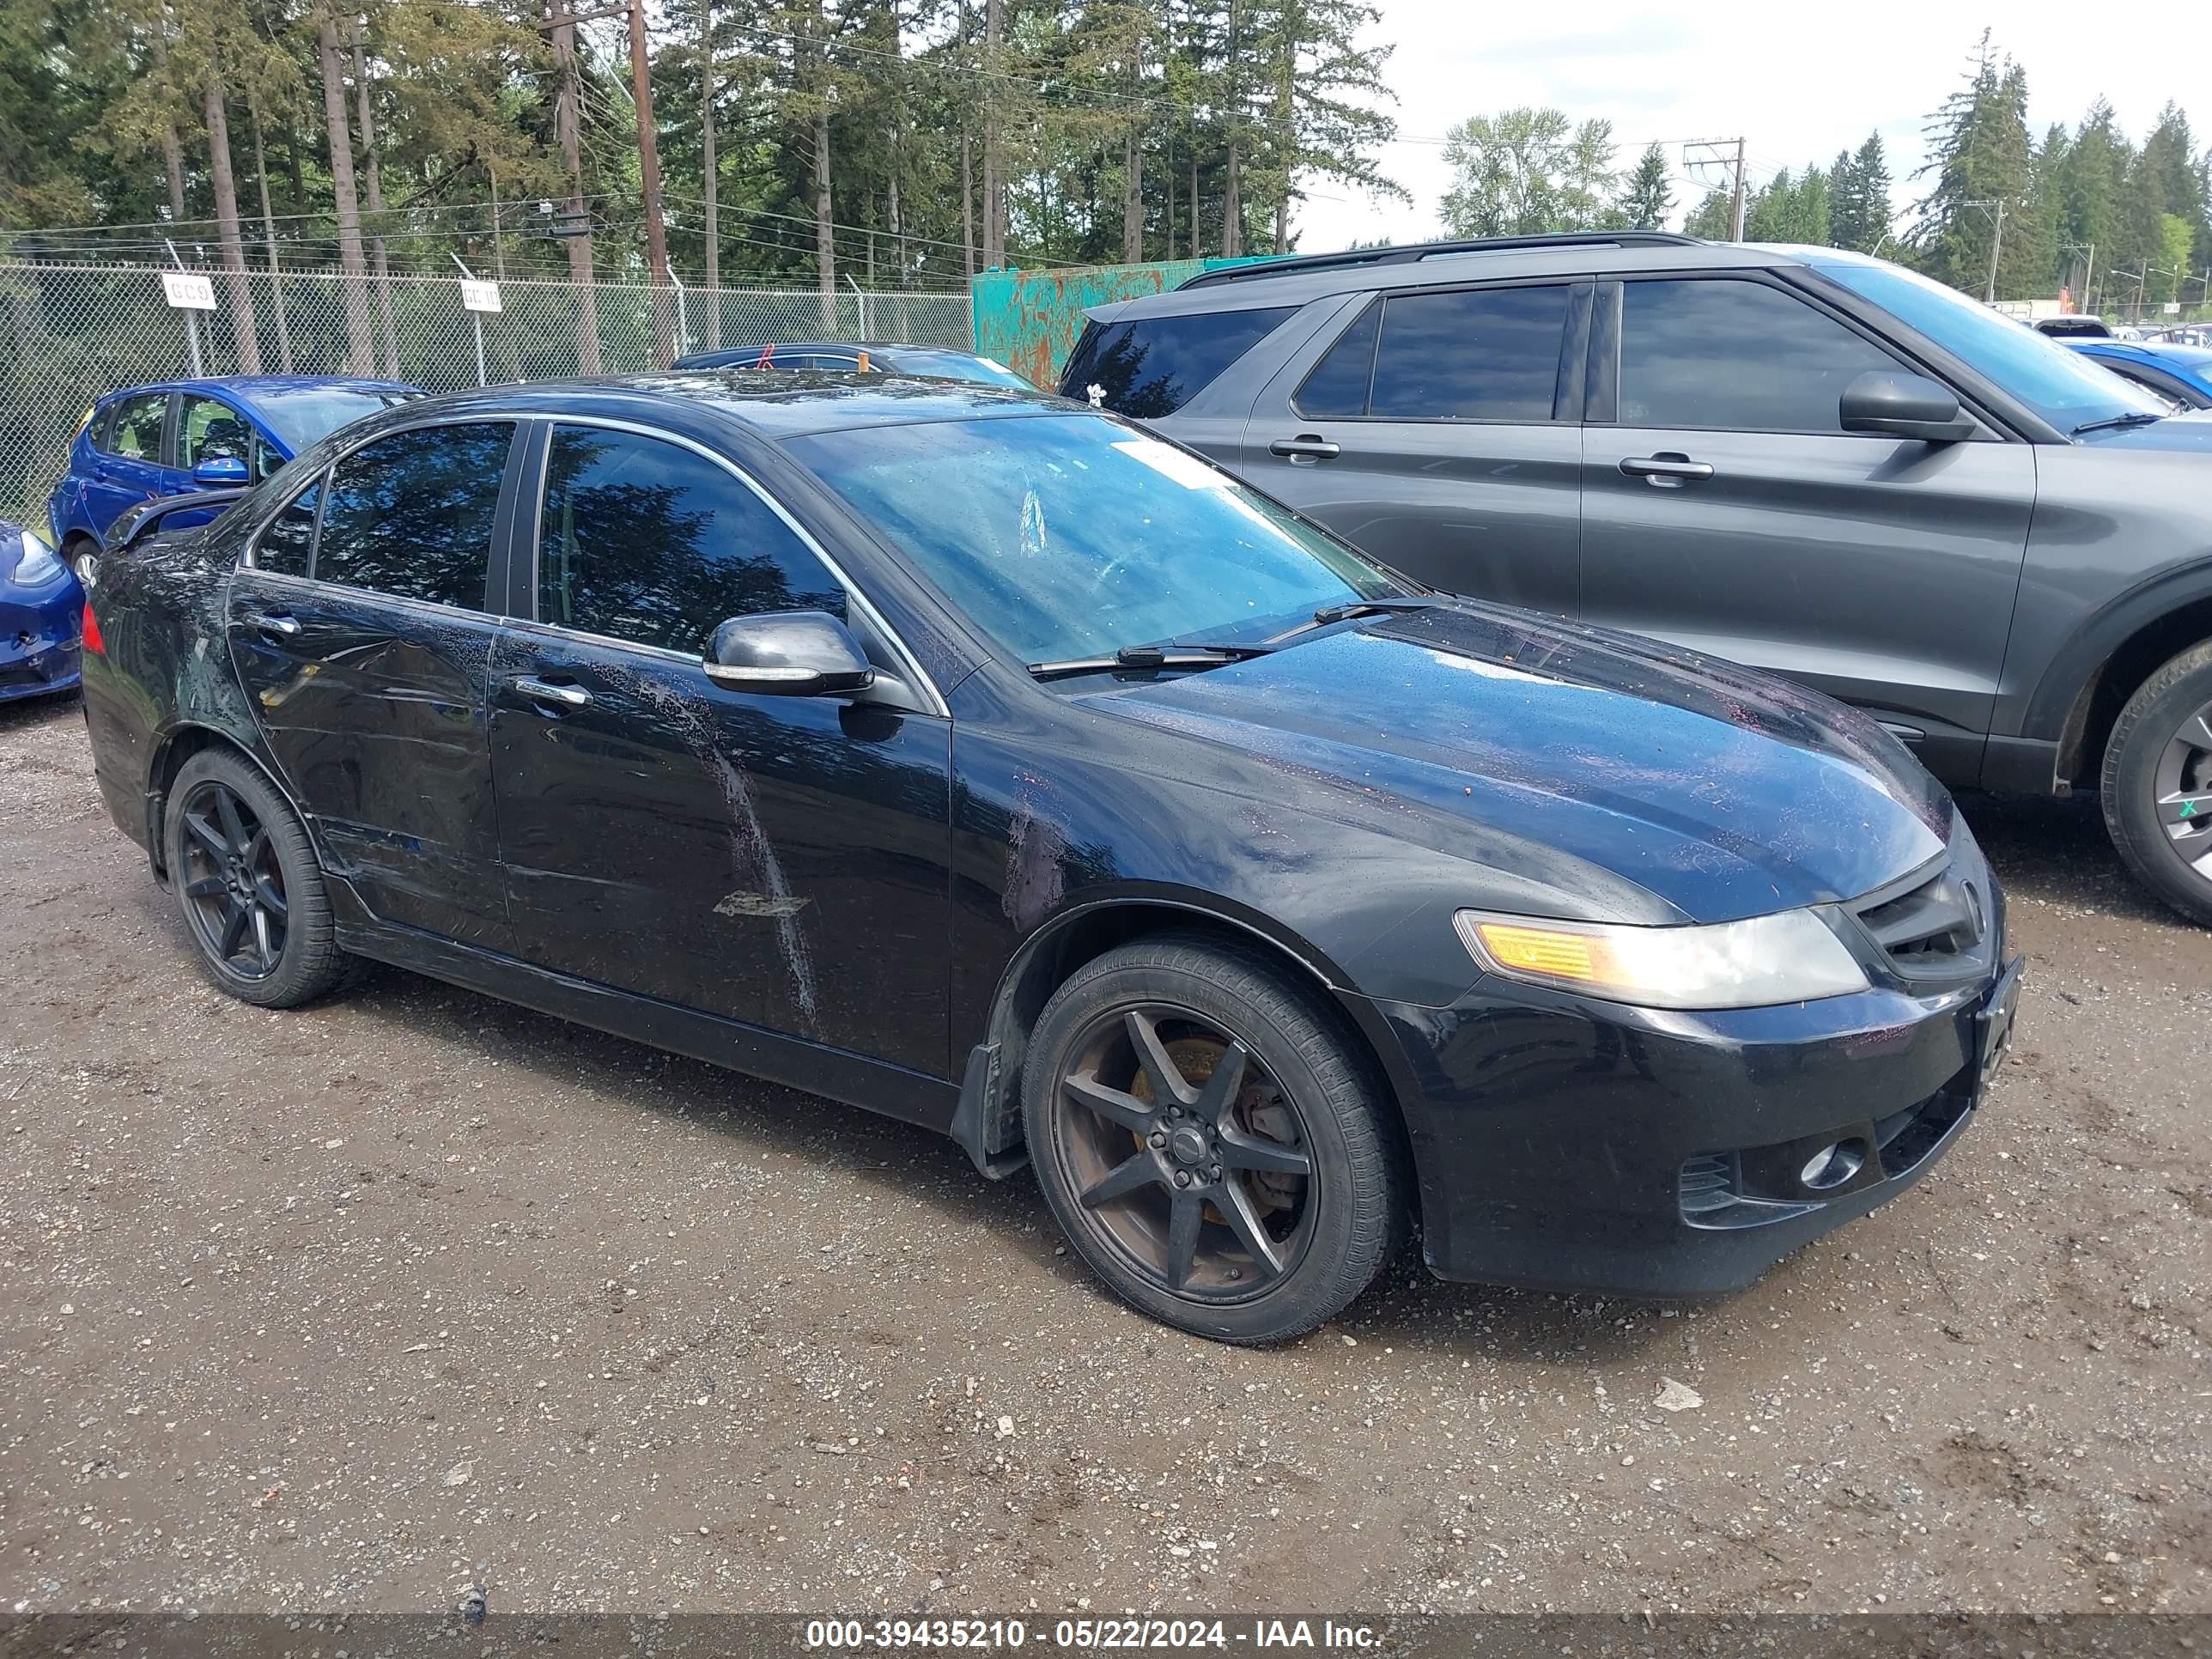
251	889
1212	1142
2157	783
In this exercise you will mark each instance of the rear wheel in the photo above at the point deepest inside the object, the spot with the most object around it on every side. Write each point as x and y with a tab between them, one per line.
1212	1142
251	890
2157	783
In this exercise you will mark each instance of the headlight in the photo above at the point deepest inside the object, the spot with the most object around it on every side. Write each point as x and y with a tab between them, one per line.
1792	957
38	567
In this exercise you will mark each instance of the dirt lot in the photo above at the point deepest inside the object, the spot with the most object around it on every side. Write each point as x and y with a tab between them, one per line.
357	1306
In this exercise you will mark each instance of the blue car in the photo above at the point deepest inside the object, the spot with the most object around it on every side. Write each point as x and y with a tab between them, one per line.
152	440
41	609
2180	375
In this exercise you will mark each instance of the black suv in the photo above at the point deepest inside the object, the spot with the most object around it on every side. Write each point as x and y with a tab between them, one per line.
1801	458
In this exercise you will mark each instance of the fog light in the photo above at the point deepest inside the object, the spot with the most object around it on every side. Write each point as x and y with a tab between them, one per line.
1831	1166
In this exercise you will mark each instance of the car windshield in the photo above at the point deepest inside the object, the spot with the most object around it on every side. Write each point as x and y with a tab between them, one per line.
959	365
2064	387
1063	537
301	415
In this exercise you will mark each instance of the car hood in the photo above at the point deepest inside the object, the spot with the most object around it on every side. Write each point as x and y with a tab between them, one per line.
2191	431
1684	789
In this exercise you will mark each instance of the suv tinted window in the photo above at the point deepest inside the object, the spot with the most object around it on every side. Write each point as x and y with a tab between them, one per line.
649	542
287	539
1337	388
411	515
1152	366
1479	355
134	431
1738	355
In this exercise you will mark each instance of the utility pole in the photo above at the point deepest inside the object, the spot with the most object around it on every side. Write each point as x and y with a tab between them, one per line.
1997	241
1735	209
567	122
707	171
648	171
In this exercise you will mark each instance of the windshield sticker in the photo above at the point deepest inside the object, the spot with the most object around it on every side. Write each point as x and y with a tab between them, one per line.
1171	463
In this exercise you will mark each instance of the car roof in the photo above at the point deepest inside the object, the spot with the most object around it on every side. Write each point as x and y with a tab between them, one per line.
772	403
246	387
1434	265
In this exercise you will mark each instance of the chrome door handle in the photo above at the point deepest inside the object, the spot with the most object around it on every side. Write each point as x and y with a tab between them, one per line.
1665	468
1319	449
273	622
568	696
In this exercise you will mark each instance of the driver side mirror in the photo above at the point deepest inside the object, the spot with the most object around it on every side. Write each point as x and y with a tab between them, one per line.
1901	405
788	654
221	473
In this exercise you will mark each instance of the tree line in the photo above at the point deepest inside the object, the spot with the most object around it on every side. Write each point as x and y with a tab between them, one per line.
2083	208
897	142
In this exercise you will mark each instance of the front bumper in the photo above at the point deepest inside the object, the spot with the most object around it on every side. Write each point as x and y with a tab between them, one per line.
38	642
1564	1143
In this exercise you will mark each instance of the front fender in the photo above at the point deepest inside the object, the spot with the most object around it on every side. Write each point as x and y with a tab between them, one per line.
2099	636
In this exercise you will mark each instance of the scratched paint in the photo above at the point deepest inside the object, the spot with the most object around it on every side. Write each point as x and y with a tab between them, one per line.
748	846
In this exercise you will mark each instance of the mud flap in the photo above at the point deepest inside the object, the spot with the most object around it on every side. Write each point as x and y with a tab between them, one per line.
985	1134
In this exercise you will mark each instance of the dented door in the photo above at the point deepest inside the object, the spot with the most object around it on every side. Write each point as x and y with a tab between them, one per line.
778	861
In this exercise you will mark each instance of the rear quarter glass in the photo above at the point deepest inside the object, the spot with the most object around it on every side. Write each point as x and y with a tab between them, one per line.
1150	367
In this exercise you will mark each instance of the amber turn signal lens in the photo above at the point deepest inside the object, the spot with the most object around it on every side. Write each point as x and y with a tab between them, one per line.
1540	951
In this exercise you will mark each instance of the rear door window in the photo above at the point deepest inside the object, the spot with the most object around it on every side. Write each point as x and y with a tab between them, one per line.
134	431
1732	355
1475	355
411	515
1150	367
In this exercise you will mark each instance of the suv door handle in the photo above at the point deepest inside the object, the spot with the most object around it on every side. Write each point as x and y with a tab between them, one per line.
1668	470
1305	445
544	691
274	623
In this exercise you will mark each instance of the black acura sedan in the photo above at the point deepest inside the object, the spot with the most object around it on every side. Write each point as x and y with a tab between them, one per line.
980	759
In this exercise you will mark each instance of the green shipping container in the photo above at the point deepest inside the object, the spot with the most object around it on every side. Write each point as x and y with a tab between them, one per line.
1029	319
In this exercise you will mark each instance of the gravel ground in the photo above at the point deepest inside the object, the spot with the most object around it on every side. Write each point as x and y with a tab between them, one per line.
358	1306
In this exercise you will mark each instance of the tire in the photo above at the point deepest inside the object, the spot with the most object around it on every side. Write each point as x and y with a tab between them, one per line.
291	956
1304	1095
2153	771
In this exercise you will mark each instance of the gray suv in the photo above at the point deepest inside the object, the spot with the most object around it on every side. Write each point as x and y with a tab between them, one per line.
1799	458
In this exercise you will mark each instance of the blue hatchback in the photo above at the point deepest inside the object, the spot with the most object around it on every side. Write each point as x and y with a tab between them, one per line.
152	440
2181	375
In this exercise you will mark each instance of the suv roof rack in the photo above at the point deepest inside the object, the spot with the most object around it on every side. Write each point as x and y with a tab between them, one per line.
1416	252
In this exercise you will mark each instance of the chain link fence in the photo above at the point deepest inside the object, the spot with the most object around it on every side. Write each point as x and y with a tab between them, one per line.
76	332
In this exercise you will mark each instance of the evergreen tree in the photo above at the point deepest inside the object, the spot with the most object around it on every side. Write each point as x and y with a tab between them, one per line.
1646	198
1978	163
1710	219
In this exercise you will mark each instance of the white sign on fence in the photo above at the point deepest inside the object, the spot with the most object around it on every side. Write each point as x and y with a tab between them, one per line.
188	290
479	296
2172	308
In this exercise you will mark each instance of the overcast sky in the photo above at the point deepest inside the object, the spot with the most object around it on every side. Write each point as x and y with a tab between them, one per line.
1798	79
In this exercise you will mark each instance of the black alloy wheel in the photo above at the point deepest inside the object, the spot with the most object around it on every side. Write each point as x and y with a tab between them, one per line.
1186	1151
233	889
2156	786
1214	1139
249	885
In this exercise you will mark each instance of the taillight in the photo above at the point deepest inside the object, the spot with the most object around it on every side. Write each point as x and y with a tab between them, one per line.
92	642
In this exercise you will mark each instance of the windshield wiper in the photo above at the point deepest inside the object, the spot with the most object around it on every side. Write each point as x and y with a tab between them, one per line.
1349	609
1141	657
2134	417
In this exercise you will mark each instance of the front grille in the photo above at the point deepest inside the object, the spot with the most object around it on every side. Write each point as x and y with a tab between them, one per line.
1938	923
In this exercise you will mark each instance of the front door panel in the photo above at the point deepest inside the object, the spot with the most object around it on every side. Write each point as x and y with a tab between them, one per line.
374	710
1880	571
778	861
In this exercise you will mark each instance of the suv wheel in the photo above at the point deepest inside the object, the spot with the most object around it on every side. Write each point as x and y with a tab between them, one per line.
2157	783
1212	1142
